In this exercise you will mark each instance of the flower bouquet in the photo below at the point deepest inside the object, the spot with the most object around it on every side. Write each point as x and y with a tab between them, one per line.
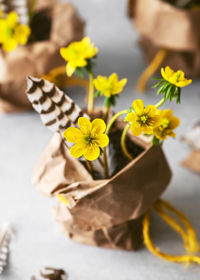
30	39
169	35
108	172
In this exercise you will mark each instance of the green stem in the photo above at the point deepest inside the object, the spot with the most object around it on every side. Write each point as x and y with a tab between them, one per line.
106	173
106	113
161	102
114	119
91	94
123	142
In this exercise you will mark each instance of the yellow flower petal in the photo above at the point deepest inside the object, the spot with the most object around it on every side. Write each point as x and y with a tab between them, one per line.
64	53
184	83
85	41
123	82
102	140
22	33
92	152
166	113
9	45
98	126
150	110
85	125
138	106
73	135
131	117
136	129
175	122
77	150
113	78
147	129
12	19
69	69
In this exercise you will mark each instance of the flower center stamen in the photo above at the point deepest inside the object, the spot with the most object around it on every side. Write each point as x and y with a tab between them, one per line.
143	118
88	139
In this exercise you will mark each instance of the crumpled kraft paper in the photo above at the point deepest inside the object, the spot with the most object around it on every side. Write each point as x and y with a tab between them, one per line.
37	57
162	25
104	212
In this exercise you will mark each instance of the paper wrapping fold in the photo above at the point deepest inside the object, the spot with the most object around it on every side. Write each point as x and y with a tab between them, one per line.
39	57
109	212
163	25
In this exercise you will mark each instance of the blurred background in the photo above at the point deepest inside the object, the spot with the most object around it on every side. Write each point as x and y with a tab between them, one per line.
23	138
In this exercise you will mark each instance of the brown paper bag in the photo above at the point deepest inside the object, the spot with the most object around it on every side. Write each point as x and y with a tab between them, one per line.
164	26
55	25
107	212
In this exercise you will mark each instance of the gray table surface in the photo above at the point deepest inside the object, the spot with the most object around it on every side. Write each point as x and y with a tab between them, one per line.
38	241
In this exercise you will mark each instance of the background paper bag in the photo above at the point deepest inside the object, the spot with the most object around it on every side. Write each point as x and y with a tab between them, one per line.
55	25
164	26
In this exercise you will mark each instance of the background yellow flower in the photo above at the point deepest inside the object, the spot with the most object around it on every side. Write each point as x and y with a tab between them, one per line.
167	125
109	86
77	54
175	78
12	33
144	119
88	139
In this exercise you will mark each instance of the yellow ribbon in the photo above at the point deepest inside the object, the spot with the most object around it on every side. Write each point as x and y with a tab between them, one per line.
150	70
59	78
188	233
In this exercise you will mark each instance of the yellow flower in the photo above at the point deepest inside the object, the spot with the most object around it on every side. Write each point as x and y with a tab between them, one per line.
175	78
21	34
88	139
109	86
145	119
12	33
167	125
77	53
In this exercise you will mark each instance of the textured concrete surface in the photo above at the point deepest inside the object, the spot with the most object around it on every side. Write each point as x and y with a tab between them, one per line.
38	241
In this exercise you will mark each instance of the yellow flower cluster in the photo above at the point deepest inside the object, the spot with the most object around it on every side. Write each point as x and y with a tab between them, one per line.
89	139
175	78
149	120
109	86
77	54
168	123
12	33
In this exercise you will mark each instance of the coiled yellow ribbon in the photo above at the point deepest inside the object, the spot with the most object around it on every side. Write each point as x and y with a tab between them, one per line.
188	233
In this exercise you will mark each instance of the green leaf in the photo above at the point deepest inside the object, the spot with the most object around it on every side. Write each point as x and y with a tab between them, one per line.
163	88
158	84
101	151
79	72
155	141
158	79
97	93
130	109
106	102
168	92
88	67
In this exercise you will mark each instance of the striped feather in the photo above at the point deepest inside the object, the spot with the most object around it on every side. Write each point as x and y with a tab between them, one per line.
56	109
5	236
19	6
